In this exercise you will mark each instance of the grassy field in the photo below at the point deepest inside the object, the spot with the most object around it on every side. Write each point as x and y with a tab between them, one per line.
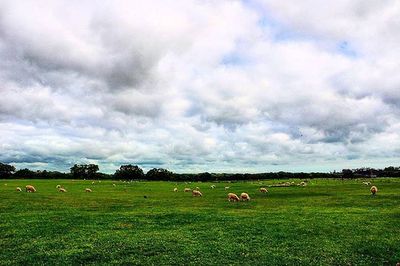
328	222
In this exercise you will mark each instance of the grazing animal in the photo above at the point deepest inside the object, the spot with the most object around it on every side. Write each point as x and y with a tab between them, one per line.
196	193
58	186
187	190
176	189
88	190
212	186
367	183
233	197
114	185
30	188
92	182
374	189
226	188
263	190
62	190
245	196
19	189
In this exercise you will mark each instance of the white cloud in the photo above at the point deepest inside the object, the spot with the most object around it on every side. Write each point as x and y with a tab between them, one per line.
199	86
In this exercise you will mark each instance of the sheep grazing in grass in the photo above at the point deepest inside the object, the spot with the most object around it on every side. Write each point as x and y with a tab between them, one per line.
303	184
187	190
114	185
19	189
88	190
367	183
196	193
374	189
62	190
226	188
212	186
58	186
263	190
30	188
245	196
93	183
176	189
233	197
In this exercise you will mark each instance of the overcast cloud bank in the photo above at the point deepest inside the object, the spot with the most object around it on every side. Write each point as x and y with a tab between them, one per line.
194	86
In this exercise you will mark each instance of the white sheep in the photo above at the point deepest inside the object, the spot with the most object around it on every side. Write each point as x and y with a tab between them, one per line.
187	190
62	190
374	190
19	189
30	188
245	196
226	188
88	190
176	189
263	190
233	197
58	186
212	186
196	193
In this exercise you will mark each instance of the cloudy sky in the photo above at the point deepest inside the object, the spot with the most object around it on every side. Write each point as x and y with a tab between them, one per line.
191	85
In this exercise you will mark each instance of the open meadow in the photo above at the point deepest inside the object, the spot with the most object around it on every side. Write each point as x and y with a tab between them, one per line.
327	222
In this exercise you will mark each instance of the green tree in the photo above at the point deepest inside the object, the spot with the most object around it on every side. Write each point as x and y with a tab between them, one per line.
80	171
159	174
6	170
129	172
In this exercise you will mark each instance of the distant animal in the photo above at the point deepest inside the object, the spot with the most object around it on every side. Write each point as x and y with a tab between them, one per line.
263	190
88	190
196	193
30	188
92	182
367	183
114	185
62	190
226	188
58	186
212	186
187	190
233	197
374	190
19	189
176	189
245	196
197	188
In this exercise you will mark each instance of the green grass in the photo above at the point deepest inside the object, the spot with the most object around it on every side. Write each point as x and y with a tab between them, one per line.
329	222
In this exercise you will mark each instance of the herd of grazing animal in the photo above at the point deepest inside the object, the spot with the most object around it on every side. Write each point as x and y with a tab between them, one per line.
232	197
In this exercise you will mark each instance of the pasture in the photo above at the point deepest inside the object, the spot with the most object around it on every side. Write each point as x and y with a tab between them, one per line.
328	222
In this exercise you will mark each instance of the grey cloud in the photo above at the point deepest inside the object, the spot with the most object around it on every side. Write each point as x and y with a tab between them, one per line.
125	82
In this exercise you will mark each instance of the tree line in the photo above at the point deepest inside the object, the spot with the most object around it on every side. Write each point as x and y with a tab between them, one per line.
134	172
